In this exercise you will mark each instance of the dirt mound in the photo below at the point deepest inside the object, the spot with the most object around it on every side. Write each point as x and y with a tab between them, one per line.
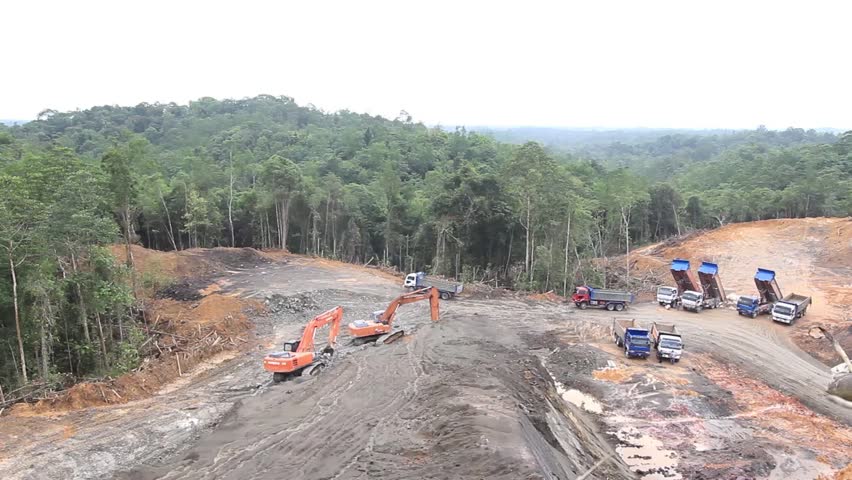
811	256
196	262
550	296
214	311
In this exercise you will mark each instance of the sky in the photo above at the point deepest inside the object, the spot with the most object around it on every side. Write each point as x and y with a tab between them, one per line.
611	64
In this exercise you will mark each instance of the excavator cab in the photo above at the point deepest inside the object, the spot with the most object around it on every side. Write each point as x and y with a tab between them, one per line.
377	316
299	357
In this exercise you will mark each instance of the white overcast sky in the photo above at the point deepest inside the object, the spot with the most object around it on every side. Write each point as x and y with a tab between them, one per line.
695	64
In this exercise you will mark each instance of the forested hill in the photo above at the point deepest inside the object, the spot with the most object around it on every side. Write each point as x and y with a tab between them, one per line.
266	172
657	153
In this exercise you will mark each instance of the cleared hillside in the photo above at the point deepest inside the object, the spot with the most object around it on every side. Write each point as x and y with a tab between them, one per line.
811	256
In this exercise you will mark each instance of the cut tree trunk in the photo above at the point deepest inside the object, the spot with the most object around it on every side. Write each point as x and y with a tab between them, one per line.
170	231
231	198
82	310
565	271
17	315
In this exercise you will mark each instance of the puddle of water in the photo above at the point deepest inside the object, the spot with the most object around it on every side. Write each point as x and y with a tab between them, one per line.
580	399
643	453
576	397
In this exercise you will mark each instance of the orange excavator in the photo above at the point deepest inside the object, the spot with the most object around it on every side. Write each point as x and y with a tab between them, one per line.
299	357
380	326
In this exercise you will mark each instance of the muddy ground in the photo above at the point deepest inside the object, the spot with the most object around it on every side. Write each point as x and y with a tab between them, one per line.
498	388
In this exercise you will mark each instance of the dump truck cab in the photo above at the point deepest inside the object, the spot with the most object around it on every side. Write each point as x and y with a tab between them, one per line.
747	304
692	300
669	347
667	296
411	279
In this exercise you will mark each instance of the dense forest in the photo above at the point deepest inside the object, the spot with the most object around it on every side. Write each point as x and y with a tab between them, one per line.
267	173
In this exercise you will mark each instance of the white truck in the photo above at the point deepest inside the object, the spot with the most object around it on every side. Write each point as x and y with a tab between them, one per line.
667	342
447	288
789	308
696	301
668	296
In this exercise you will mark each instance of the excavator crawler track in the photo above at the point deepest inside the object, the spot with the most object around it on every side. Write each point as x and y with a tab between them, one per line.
390	337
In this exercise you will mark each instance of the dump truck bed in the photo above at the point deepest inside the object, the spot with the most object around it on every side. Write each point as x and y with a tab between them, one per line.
683	276
667	328
441	284
797	299
658	329
708	275
611	295
621	326
767	286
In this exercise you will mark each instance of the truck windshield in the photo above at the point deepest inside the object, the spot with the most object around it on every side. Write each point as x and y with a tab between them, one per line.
639	341
690	296
745	301
666	291
670	343
783	310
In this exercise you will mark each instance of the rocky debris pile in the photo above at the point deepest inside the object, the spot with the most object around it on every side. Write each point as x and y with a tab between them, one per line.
299	303
842	387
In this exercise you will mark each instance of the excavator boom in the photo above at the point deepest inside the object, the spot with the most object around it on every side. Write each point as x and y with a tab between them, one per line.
382	325
333	317
431	294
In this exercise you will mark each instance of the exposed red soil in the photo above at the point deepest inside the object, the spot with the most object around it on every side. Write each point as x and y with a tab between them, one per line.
811	256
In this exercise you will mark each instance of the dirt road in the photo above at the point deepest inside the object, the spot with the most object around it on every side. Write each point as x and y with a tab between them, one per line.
498	388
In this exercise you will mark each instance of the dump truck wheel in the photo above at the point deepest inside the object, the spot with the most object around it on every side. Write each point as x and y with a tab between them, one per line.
619	307
445	296
583	305
754	315
610	307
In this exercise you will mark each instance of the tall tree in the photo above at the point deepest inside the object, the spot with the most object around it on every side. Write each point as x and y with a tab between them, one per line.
282	178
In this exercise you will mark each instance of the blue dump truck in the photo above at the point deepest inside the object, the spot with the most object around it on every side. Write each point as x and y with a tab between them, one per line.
635	340
768	293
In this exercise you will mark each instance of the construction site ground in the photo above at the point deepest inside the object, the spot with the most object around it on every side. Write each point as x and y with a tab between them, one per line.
502	387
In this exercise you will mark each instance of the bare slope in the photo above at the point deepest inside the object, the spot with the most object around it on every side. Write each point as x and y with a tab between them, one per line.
811	256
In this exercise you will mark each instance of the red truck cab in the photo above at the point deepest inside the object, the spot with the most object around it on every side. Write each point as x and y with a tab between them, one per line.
581	294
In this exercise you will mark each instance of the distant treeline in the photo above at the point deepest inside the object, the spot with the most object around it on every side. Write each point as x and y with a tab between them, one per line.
268	173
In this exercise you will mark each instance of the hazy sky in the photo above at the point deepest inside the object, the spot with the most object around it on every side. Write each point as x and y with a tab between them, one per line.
682	63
